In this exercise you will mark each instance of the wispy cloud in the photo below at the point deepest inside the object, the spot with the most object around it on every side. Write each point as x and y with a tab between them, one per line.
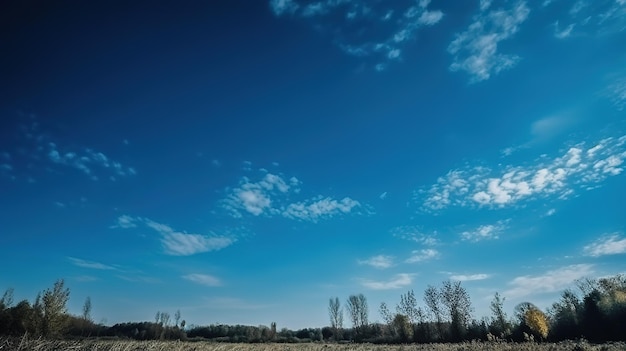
475	50
596	17
562	33
582	166
125	222
549	282
422	255
271	196
179	243
364	29
383	196
87	160
44	150
484	232
414	234
617	93
320	208
90	264
398	281
612	244
380	261
471	277
203	279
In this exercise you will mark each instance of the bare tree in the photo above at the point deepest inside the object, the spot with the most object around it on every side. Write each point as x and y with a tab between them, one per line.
176	317
358	311
7	299
336	316
87	309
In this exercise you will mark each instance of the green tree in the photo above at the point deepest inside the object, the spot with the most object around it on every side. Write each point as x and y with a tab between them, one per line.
54	309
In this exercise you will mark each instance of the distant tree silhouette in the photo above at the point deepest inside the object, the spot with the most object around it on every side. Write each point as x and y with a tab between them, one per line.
358	311
335	313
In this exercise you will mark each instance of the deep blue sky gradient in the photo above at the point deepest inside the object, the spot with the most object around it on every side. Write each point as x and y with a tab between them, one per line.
244	161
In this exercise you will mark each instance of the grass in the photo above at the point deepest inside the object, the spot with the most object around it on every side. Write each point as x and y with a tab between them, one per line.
11	344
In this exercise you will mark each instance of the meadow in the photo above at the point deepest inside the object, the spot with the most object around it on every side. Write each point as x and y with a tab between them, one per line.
14	343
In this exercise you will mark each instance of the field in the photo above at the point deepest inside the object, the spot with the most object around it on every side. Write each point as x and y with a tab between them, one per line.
11	344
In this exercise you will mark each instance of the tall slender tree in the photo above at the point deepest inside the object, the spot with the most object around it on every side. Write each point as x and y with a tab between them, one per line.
335	313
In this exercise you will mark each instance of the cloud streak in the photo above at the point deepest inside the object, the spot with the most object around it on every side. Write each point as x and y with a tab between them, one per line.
90	264
203	279
380	261
178	243
422	255
612	244
398	281
549	282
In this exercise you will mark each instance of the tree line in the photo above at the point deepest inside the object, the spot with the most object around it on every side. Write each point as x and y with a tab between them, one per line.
595	310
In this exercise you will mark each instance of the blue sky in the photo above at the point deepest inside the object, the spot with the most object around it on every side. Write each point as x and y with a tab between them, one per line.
244	161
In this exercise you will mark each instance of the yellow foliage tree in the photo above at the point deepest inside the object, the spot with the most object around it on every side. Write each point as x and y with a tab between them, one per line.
537	321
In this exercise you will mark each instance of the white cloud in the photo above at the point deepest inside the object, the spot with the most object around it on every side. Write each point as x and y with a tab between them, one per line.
399	281
90	264
380	261
383	196
203	279
178	243
549	282
580	166
422	255
386	39
471	277
256	197
428	18
612	244
484	232
475	50
270	197
183	244
320	208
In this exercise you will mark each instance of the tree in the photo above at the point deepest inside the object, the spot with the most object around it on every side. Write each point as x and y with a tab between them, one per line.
402	326
566	315
54	309
537	321
87	309
499	323
457	301
176	318
408	307
432	300
336	316
357	309
533	319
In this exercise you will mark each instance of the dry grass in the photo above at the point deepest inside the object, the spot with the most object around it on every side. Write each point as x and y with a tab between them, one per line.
131	345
